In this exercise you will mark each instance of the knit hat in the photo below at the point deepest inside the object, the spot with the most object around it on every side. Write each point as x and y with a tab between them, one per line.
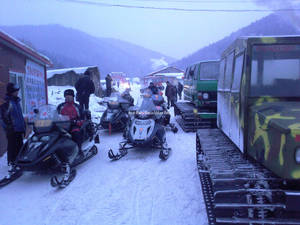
69	92
11	88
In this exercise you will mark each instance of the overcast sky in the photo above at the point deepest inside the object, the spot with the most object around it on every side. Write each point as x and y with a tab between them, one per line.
174	33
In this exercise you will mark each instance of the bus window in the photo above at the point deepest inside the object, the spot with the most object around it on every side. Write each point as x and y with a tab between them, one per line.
228	72
221	76
238	69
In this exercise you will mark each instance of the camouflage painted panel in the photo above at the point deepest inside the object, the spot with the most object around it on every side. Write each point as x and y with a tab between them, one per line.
274	136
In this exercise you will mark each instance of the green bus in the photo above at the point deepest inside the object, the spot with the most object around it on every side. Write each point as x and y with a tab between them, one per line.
200	85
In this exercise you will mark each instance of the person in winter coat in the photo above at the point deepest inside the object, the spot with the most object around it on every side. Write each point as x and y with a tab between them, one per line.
171	94
12	120
179	89
108	81
74	112
84	88
153	88
126	95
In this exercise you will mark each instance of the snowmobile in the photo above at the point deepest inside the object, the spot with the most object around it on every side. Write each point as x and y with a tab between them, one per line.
115	117
50	142
146	127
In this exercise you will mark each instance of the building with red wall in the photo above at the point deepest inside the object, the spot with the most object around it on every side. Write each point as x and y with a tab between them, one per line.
23	66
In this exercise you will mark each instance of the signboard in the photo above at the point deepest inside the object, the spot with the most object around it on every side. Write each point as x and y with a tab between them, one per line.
35	90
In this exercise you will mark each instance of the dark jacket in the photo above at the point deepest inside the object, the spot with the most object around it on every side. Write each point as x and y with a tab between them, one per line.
171	91
108	81
179	87
11	116
153	89
84	87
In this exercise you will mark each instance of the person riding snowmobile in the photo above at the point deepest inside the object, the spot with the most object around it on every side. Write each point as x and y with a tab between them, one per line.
74	112
126	95
153	88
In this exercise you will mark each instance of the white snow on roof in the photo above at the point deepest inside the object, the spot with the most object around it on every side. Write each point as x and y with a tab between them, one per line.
24	45
78	70
177	75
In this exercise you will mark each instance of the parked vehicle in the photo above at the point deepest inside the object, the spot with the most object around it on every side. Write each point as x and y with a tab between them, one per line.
115	117
52	142
200	92
250	167
146	127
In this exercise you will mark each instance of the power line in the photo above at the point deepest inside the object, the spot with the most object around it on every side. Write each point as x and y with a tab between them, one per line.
101	4
207	1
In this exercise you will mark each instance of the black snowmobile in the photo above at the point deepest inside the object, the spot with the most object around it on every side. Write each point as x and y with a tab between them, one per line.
51	142
115	117
146	127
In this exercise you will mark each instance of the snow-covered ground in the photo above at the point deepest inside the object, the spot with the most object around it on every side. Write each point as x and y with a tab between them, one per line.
136	190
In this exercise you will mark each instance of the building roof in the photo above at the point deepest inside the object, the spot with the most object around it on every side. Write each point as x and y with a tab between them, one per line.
20	47
166	71
78	70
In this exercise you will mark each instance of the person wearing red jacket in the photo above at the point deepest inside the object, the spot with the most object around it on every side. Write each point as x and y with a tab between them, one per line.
74	112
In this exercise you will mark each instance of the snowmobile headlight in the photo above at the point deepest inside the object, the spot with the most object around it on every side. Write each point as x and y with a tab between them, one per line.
34	138
45	138
297	155
205	96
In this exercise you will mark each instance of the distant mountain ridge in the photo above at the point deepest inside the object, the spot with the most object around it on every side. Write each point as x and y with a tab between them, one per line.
270	25
67	47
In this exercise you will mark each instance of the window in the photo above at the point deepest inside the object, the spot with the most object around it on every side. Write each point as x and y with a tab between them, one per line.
228	72
238	71
275	71
221	76
210	71
196	71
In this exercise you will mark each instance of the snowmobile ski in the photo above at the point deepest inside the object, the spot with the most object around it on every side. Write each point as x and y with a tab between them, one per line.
92	152
113	156
5	181
55	182
164	153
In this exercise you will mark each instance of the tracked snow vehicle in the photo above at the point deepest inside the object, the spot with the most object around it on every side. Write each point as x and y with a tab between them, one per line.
200	95
250	167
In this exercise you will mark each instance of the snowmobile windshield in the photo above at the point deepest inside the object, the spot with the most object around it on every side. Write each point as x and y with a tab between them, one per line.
147	108
275	70
46	115
116	99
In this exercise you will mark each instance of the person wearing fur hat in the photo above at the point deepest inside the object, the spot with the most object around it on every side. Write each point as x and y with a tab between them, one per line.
12	120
